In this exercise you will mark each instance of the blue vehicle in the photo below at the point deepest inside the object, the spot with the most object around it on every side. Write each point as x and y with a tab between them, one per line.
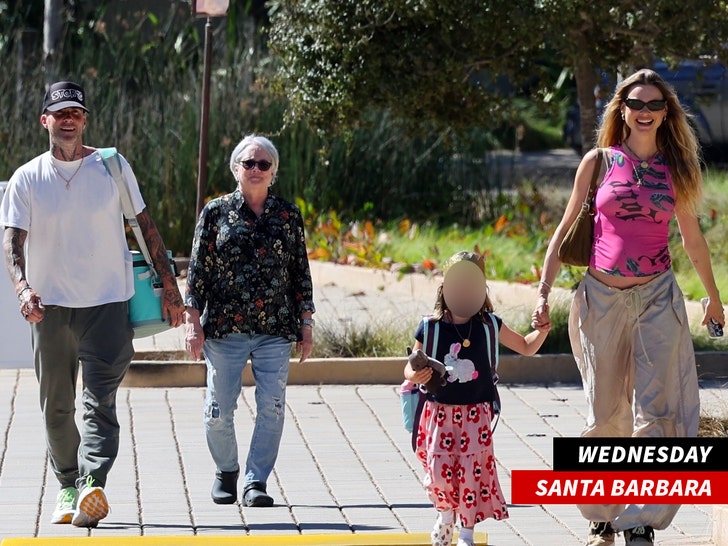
701	85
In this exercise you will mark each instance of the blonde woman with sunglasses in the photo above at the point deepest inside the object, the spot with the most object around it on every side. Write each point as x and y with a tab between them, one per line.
628	324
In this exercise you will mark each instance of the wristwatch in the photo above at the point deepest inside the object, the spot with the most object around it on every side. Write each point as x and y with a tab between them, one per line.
308	322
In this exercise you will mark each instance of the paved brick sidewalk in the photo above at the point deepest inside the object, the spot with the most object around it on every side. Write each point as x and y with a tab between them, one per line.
345	467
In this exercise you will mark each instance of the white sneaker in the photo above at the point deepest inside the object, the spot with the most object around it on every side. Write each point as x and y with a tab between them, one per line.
91	507
465	542
601	533
441	534
65	505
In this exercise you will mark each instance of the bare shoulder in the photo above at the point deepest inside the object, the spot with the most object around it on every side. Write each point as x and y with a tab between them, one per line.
594	157
590	158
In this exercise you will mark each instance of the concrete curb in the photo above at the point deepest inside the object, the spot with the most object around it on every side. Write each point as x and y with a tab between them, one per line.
539	369
169	369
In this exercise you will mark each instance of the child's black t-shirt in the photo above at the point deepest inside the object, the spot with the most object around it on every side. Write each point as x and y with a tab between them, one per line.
470	381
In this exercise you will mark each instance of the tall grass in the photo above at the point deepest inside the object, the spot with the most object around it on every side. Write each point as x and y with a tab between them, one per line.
387	339
383	339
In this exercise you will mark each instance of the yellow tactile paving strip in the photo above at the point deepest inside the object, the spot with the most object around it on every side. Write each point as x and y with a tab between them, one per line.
389	539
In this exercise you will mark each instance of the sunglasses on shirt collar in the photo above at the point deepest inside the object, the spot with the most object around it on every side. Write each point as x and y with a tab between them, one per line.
249	164
652	106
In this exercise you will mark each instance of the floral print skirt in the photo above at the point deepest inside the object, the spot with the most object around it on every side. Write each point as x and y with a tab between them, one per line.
455	446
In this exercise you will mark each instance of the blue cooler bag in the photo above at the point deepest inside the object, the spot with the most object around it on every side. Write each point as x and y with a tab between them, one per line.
409	397
145	306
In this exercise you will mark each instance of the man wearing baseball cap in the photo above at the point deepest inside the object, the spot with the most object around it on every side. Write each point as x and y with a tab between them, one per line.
67	256
62	95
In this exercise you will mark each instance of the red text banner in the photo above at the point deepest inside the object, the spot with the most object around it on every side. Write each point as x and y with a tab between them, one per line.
549	487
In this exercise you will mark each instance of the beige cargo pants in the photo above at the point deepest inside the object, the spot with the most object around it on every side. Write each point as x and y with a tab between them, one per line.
635	354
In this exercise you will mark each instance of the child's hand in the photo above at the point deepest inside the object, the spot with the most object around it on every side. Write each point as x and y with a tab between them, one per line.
540	319
423	376
541	327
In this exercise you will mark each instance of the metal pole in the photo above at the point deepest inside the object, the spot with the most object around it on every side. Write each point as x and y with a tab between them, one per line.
204	121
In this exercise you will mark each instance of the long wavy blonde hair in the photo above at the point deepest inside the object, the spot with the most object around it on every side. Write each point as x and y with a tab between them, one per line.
676	138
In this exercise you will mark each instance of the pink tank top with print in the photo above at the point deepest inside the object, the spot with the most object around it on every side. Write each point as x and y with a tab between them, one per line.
633	208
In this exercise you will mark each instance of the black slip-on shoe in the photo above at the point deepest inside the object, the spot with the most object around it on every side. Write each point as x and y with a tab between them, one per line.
225	488
255	495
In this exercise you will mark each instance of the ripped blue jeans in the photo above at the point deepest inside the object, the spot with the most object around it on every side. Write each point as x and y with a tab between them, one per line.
226	358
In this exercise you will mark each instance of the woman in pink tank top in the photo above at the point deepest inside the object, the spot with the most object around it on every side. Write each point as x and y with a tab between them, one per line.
628	325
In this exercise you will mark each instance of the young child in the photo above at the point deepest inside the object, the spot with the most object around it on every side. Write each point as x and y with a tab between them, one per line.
454	440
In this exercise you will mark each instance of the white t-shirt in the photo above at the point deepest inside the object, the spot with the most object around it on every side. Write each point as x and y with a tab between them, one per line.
76	253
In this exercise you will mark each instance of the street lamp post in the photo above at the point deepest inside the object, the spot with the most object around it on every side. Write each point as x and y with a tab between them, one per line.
209	9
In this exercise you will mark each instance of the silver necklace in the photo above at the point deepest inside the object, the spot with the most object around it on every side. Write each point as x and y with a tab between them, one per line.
637	175
643	163
67	180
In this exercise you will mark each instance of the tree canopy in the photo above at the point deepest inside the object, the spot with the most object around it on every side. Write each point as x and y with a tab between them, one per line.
450	64
453	65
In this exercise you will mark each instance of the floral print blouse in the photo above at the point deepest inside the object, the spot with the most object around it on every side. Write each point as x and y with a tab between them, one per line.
250	274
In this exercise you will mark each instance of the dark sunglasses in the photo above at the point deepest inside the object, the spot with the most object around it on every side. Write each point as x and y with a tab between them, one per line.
249	164
652	106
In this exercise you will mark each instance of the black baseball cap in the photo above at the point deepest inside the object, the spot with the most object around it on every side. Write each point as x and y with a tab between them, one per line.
62	95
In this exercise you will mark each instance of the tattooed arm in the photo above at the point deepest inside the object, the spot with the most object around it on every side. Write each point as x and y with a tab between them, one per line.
172	306
31	305
13	244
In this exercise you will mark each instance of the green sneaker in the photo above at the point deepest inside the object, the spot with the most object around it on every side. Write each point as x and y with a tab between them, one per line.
65	505
91	506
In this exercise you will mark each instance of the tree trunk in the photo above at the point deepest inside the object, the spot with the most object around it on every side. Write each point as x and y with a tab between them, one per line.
52	29
586	82
26	57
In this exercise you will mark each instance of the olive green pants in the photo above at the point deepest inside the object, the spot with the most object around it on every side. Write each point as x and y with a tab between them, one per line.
100	339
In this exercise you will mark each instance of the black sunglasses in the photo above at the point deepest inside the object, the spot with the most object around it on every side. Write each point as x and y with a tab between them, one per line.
652	106
249	164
